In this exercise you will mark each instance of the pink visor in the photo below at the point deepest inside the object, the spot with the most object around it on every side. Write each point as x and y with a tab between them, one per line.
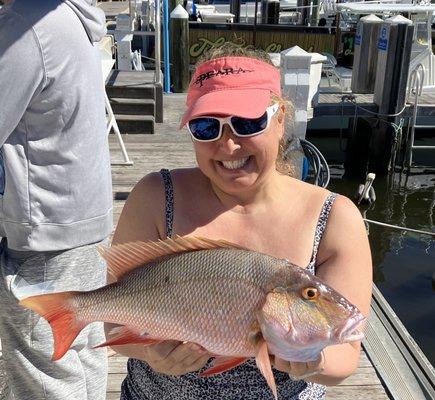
239	86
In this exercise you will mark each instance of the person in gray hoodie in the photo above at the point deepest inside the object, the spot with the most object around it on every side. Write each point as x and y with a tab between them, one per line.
55	188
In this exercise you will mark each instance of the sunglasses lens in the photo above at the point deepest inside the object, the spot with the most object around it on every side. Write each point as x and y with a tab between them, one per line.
248	126
204	128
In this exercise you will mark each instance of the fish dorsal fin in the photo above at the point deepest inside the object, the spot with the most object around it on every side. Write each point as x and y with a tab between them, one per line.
123	258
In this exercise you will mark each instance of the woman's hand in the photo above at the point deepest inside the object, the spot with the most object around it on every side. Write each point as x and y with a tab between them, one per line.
300	370
172	357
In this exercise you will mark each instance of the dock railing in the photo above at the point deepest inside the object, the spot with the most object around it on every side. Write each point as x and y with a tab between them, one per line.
157	37
416	89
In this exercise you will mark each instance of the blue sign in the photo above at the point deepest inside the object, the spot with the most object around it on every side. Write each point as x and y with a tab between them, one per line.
383	39
357	40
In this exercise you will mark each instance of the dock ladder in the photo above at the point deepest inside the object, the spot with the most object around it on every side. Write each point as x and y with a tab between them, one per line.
416	89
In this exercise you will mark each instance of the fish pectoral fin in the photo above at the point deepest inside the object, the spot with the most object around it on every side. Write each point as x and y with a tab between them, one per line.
222	364
125	335
263	363
126	257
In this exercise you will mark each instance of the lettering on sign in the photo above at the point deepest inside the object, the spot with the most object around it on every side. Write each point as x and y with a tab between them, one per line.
205	44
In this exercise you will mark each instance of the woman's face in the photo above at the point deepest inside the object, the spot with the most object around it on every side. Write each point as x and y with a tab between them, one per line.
235	164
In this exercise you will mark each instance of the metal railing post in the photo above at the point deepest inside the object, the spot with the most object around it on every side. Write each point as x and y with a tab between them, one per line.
416	83
416	88
157	48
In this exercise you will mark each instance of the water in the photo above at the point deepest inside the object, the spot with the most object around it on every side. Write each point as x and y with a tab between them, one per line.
404	263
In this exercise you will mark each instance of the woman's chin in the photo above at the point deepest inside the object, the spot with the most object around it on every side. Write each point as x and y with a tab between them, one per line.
237	184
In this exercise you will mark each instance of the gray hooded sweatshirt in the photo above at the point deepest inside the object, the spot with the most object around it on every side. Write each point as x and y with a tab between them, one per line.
55	184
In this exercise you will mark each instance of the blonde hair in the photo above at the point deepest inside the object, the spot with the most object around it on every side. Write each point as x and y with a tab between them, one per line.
284	164
229	49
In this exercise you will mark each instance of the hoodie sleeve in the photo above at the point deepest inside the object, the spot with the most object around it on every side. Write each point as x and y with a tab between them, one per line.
21	70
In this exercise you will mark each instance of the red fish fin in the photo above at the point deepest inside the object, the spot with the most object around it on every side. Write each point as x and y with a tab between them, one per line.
127	336
126	257
263	363
61	316
222	364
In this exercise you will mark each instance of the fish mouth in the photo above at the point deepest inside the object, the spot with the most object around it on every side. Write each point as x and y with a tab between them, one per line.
352	329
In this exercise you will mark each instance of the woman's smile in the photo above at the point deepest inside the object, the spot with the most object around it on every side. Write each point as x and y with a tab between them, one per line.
235	165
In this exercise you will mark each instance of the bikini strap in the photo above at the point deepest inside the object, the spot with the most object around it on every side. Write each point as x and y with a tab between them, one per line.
169	201
321	225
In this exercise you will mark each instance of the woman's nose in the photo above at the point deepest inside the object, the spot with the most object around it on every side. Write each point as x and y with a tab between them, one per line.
229	141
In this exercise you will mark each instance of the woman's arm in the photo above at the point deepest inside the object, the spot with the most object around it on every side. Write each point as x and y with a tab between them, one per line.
143	218
344	263
141	214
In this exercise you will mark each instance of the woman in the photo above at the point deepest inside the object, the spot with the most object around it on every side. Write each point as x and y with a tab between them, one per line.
239	193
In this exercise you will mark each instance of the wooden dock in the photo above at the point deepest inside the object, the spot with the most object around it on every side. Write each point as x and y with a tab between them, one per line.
331	104
170	148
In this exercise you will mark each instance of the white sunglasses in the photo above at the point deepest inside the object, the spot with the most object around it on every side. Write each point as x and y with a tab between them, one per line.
209	129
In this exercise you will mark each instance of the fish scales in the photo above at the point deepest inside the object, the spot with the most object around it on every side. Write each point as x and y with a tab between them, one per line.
196	296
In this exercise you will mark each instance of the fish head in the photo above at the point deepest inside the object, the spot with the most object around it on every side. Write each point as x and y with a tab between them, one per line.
302	315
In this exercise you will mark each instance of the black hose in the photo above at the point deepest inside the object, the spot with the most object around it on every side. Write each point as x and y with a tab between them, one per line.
317	162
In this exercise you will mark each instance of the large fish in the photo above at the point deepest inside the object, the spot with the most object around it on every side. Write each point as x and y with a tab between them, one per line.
233	302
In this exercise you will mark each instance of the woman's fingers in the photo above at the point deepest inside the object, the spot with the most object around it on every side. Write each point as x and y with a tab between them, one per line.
281	365
192	363
300	370
176	358
317	365
184	352
160	351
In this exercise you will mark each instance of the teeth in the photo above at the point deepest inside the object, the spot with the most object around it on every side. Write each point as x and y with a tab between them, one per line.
235	164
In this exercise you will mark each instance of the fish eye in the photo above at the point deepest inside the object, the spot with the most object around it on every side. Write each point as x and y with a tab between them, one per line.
310	293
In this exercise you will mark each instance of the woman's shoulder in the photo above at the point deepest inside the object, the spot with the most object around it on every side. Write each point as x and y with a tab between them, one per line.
310	191
341	219
154	180
150	190
342	209
187	174
143	215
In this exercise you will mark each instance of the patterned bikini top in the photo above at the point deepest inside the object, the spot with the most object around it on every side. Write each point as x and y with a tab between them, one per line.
320	227
244	382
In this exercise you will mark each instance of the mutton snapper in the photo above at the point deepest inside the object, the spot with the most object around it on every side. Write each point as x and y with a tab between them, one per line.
233	302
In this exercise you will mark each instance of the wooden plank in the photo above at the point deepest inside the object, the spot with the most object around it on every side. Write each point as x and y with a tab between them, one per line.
114	382
390	361
118	364
363	376
376	392
112	396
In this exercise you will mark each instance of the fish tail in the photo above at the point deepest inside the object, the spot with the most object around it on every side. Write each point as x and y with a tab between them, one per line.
61	316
